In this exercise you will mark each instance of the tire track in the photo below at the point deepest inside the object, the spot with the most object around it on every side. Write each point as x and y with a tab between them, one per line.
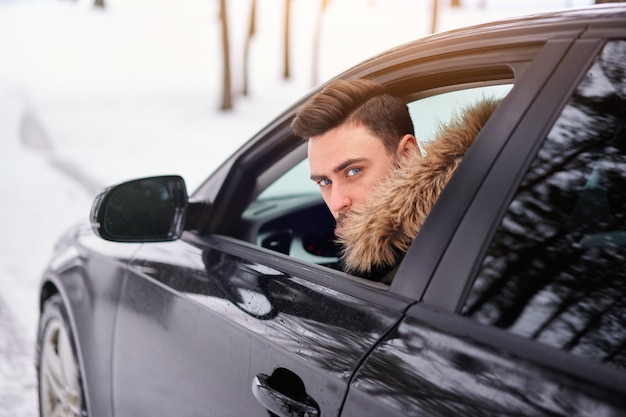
33	135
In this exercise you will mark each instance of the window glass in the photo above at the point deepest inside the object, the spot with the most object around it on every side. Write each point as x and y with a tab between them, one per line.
556	269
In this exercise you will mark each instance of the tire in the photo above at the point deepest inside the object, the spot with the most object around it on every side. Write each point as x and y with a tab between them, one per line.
58	373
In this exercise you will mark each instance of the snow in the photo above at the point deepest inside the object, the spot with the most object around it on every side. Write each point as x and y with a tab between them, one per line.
92	97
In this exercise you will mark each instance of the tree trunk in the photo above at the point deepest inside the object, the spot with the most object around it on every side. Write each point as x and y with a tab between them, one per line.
286	69
433	27
227	103
246	52
316	42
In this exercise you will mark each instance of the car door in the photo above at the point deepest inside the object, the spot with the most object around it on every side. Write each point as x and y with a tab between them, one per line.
523	314
202	321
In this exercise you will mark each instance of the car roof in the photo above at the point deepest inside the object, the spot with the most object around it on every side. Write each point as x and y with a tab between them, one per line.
538	27
537	22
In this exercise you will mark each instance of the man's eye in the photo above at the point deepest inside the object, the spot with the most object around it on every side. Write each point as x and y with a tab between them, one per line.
323	183
353	171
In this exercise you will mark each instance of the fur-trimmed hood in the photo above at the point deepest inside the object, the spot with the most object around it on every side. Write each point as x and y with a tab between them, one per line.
381	230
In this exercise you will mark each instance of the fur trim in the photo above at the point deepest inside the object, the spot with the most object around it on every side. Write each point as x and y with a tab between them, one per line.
382	229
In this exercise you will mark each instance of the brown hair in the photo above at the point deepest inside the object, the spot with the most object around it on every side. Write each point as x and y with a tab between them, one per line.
362	102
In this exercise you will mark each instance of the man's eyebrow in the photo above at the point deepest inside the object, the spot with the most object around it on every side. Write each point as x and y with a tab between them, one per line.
343	165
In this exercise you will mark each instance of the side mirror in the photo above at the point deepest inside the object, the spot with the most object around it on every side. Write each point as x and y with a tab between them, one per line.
145	210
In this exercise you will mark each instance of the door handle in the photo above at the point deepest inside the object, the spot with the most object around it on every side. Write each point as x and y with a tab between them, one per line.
279	403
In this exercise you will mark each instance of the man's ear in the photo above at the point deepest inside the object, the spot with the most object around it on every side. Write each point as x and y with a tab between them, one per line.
408	145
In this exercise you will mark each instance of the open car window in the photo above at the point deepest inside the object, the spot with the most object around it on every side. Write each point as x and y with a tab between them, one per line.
289	215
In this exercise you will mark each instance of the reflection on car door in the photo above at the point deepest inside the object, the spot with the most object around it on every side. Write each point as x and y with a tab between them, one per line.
197	328
439	369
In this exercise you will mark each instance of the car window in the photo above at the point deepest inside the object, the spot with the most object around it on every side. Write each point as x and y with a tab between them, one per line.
556	269
289	215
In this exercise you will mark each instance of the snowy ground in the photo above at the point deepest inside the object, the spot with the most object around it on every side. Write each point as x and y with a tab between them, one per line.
89	98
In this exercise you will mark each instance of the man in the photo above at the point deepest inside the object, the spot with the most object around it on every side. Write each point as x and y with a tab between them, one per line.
364	156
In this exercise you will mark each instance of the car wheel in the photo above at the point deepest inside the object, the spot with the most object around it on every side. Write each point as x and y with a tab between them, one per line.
58	374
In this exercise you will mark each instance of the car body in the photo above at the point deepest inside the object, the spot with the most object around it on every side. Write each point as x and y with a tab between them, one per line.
508	302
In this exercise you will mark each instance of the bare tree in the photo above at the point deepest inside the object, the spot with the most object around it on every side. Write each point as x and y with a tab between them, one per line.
246	52
316	41
286	69
433	27
227	103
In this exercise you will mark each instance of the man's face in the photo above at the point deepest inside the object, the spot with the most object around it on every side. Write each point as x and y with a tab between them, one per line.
346	162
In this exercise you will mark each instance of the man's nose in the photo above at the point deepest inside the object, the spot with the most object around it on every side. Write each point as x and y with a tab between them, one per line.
339	200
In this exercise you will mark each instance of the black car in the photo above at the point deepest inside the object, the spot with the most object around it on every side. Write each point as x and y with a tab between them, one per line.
510	301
